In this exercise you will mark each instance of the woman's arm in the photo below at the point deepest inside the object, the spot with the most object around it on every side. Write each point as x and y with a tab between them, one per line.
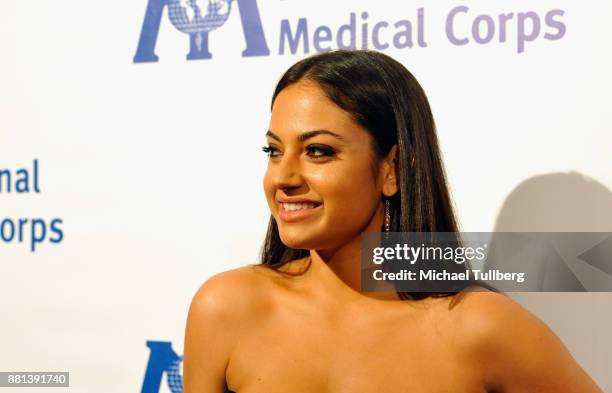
516	351
209	337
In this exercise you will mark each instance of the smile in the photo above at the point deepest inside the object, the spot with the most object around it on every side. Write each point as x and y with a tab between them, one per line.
298	206
292	212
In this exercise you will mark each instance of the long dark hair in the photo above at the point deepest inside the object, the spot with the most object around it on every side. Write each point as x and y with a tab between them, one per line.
386	99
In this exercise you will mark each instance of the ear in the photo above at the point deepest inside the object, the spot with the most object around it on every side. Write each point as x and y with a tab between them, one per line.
389	173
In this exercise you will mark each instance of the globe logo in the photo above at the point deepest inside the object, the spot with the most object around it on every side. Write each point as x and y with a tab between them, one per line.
173	376
198	16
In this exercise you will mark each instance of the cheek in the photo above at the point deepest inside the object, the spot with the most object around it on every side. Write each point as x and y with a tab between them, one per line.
350	194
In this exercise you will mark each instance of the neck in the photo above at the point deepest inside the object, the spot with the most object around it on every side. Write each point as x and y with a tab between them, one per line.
345	262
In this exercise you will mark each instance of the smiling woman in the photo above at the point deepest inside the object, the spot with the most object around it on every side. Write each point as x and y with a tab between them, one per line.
314	147
352	148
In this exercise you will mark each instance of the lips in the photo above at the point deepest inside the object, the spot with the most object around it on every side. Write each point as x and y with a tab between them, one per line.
298	206
298	211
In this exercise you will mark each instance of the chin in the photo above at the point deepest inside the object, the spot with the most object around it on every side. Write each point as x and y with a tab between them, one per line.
296	242
298	239
302	239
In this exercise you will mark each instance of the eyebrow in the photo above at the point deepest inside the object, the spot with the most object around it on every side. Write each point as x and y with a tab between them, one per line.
308	134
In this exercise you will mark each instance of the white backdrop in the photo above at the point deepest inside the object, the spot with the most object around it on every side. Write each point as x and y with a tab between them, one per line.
154	168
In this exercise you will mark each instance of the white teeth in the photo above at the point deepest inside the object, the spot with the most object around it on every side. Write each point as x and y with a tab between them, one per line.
298	206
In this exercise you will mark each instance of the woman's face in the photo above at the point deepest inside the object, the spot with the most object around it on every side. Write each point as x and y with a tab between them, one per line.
319	182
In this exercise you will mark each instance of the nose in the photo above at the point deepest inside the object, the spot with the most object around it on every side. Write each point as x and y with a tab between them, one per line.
288	174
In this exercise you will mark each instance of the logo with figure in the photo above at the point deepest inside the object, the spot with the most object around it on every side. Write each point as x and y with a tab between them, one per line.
197	18
162	359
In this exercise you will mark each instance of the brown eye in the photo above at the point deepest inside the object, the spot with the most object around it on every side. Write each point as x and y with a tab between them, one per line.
270	151
317	151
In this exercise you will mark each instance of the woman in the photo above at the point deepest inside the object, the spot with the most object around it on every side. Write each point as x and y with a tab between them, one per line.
352	148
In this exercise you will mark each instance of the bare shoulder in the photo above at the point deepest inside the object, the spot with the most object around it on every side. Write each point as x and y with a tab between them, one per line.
230	294
479	313
243	292
221	312
485	318
516	349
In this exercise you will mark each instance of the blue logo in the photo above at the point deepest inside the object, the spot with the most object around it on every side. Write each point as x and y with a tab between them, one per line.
197	18
162	359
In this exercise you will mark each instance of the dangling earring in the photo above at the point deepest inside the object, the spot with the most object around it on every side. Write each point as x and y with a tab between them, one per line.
387	216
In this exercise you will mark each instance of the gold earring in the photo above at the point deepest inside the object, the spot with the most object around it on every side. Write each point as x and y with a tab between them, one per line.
387	216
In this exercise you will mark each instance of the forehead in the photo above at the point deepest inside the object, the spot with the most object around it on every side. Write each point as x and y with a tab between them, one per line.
303	106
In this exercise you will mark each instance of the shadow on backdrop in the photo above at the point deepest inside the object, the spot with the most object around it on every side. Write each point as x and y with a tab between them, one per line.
567	202
557	202
576	261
